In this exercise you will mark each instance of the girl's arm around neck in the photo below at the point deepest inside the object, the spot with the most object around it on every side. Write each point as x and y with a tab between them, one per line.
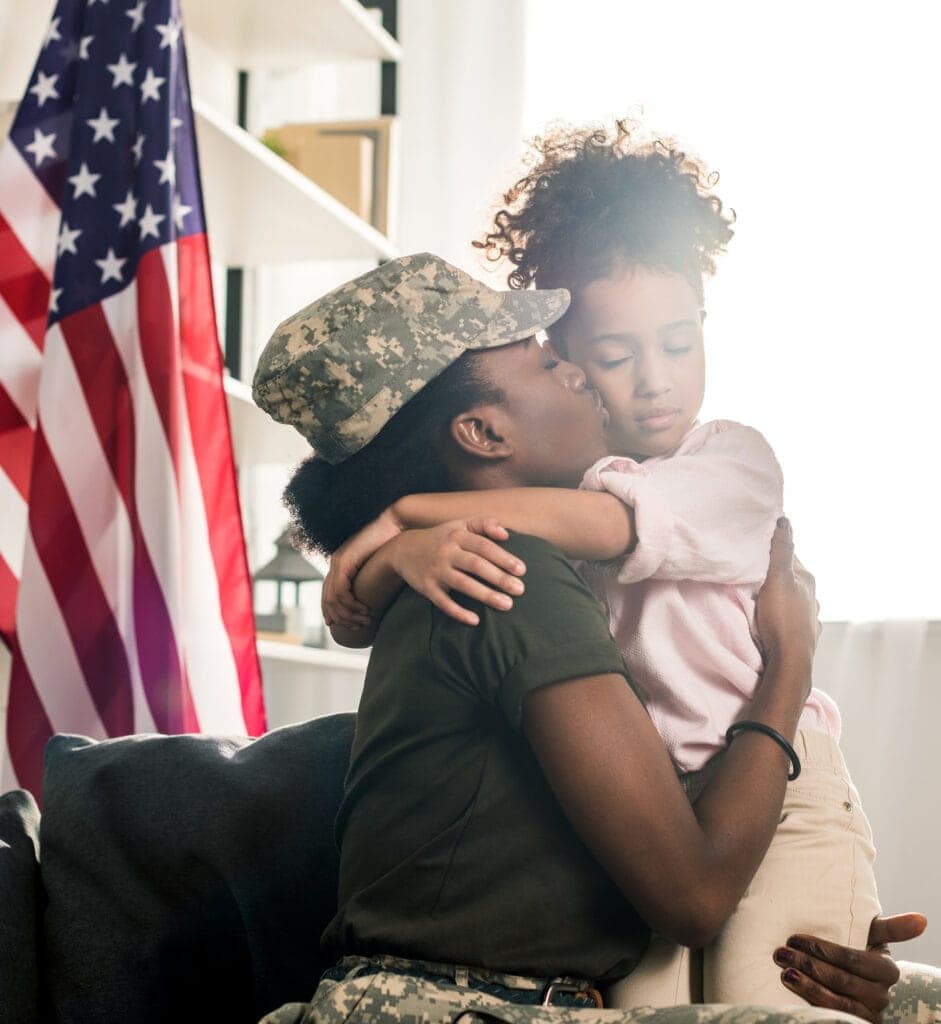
582	524
377	584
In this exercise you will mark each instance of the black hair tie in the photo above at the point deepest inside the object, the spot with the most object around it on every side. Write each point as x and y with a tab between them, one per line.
736	727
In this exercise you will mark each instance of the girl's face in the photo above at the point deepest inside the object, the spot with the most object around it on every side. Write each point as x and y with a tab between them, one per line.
637	334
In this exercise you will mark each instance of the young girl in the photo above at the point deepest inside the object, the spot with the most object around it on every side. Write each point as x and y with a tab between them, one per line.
630	229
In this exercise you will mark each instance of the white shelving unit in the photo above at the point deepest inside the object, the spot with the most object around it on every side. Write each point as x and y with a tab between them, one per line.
252	34
354	661
259	211
289	217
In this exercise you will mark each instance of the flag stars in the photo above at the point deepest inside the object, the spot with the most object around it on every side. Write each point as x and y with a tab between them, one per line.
179	212
110	267
138	148
150	223
54	300
169	34
103	126
136	14
167	169
45	87
123	72
52	33
84	182
83	45
41	146
127	209
150	87
67	237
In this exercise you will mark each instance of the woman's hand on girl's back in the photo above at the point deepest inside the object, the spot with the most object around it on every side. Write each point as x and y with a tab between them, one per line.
787	608
460	556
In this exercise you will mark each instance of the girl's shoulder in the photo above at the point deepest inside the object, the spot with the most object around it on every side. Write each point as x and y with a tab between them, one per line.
736	441
726	434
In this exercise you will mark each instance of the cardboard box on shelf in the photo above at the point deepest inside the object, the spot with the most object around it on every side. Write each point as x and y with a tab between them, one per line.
352	160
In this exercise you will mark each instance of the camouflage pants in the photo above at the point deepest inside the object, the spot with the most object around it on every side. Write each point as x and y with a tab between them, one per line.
392	997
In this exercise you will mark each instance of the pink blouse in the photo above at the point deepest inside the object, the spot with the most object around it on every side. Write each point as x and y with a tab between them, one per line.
681	605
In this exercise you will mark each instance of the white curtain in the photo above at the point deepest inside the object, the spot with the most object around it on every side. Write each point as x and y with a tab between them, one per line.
885	677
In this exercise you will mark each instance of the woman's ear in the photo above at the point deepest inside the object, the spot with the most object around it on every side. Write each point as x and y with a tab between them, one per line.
479	433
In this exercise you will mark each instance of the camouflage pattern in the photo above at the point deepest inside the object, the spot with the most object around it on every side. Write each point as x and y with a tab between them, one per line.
340	368
916	999
385	997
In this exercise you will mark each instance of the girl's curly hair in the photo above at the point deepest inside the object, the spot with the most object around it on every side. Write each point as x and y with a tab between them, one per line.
595	196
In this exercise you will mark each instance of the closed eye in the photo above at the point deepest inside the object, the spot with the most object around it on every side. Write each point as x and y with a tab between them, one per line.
609	364
551	364
678	351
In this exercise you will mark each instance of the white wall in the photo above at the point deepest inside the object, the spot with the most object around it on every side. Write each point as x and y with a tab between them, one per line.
461	101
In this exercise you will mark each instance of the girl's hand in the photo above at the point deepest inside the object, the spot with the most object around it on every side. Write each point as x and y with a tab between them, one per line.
337	602
448	557
787	608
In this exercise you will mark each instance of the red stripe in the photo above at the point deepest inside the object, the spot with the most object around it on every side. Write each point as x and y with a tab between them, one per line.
28	728
95	636
9	585
16	444
159	349
24	287
212	448
108	396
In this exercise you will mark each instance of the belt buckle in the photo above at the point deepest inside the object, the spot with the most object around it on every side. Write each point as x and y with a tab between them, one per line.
557	986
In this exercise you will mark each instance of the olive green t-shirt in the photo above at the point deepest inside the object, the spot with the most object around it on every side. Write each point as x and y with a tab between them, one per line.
453	847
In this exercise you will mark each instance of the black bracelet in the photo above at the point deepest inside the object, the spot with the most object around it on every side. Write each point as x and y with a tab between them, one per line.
774	734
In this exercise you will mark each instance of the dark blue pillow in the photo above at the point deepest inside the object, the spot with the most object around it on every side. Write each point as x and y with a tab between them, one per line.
189	877
20	906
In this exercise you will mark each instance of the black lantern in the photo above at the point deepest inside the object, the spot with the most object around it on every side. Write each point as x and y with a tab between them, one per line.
289	566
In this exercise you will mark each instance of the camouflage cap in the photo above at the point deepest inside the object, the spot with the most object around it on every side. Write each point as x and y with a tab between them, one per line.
339	369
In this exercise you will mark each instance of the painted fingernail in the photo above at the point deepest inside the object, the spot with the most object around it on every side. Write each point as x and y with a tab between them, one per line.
792	976
784	956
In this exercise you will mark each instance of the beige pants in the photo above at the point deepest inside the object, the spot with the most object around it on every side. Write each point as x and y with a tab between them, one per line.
816	877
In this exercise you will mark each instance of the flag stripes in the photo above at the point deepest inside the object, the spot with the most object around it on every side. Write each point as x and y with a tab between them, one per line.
125	602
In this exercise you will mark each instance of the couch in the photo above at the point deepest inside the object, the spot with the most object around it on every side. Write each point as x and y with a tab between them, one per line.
188	878
170	878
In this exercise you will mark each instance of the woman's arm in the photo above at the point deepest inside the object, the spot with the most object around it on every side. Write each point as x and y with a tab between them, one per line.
684	868
858	981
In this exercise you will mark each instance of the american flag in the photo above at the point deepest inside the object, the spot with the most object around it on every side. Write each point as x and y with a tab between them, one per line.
125	602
